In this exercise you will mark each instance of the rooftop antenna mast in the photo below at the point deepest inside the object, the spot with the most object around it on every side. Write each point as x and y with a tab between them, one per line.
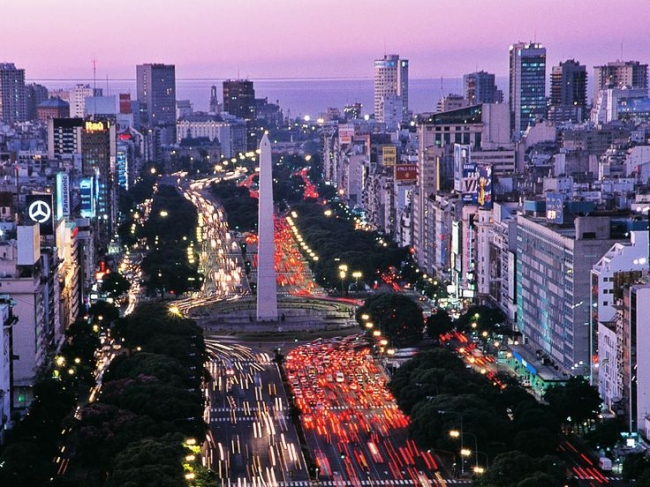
94	86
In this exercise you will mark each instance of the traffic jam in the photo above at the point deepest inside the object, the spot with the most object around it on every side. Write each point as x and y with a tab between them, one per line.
351	422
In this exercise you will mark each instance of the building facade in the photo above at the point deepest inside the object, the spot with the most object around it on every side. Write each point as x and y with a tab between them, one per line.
568	92
554	287
480	87
156	91
12	94
620	74
527	95
391	90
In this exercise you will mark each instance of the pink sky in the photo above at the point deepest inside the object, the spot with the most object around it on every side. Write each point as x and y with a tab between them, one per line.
259	39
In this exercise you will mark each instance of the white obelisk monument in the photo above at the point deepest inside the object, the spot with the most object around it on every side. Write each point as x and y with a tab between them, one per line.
267	290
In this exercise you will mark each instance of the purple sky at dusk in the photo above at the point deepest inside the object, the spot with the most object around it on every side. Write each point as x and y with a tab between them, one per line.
260	39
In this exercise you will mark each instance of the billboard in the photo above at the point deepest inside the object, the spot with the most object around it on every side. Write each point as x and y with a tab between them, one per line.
469	183
87	196
389	155
40	209
484	186
555	208
406	172
62	195
346	133
462	157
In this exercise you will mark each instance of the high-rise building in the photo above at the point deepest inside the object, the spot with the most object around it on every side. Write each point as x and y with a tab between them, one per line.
98	152
568	92
480	87
239	101
12	94
239	98
527	85
64	137
77	99
156	90
391	100
619	74
35	94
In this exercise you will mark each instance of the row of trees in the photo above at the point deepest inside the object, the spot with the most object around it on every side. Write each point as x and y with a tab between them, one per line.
150	404
335	239
438	391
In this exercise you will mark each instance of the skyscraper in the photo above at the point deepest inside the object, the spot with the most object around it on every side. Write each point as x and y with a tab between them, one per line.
239	98
391	101
618	74
239	101
156	87
568	92
480	87
12	94
527	85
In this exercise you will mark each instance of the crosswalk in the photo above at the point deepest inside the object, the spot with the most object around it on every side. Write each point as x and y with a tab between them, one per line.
347	483
243	419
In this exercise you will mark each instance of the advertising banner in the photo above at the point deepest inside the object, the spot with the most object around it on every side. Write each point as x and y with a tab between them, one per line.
40	209
406	172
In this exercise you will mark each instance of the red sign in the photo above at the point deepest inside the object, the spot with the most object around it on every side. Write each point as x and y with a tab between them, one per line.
406	172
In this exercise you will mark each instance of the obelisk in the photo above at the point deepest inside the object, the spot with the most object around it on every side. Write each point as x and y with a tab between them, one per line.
267	290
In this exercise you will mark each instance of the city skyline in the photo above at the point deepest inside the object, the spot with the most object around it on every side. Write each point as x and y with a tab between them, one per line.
326	39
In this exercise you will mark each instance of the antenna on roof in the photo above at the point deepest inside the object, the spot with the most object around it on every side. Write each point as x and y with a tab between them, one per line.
94	87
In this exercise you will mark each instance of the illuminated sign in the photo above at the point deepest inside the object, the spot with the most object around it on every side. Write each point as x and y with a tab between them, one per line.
346	133
62	195
91	126
484	186
39	210
555	208
389	155
469	183
87	196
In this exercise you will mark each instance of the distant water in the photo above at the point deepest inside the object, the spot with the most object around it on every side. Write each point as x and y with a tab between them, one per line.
295	96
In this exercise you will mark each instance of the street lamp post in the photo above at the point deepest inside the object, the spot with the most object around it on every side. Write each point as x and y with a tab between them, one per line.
460	415
357	275
456	434
343	271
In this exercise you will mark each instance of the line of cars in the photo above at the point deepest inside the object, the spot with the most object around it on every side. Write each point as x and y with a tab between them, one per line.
350	418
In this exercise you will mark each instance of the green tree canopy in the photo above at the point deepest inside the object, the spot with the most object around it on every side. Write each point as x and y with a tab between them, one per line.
397	316
115	285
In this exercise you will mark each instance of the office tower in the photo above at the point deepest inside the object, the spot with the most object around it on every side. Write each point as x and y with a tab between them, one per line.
35	94
391	100
156	91
12	94
619	74
480	87
568	92
239	101
98	153
64	137
77	99
267	292
527	85
239	98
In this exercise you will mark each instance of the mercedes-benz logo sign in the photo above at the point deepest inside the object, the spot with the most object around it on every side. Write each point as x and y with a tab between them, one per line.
39	211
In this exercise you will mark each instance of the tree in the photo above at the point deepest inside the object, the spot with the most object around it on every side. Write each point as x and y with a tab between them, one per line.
115	285
397	316
150	462
576	402
439	323
104	312
635	466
